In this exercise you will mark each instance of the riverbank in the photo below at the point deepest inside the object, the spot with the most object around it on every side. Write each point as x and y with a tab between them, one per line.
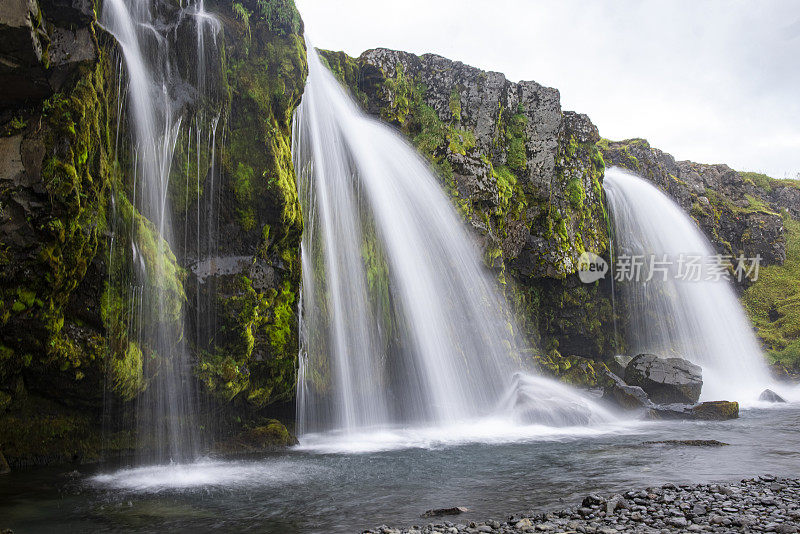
763	504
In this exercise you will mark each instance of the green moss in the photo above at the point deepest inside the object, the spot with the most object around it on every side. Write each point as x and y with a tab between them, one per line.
767	183
517	157
74	133
773	303
37	431
243	14
759	180
455	105
257	347
270	435
281	16
400	91
576	193
243	193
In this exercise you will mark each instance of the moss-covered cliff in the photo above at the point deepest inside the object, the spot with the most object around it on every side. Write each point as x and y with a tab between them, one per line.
740	213
525	175
68	296
252	346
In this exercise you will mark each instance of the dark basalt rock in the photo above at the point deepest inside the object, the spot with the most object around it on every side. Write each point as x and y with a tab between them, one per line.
665	380
439	512
270	436
625	396
715	411
705	411
688	442
68	11
770	396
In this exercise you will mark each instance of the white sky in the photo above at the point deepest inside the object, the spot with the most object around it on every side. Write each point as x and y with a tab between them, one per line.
714	81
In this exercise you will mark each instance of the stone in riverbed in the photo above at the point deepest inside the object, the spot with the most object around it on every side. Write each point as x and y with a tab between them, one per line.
705	411
770	396
665	380
715	411
439	512
688	442
272	435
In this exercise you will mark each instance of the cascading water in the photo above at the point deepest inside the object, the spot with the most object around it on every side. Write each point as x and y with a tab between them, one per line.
702	320
156	104
401	323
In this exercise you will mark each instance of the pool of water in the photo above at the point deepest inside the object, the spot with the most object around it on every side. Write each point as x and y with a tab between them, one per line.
340	484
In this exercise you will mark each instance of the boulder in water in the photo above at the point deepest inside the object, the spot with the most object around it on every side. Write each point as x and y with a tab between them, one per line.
716	410
665	380
439	512
625	396
688	442
770	396
705	411
270	436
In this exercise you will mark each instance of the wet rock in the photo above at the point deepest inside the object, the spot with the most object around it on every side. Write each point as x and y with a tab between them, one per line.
688	442
770	396
715	411
272	435
440	512
665	380
625	396
736	507
593	499
68	11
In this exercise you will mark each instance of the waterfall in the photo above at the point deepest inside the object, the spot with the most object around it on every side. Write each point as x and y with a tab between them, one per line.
401	322
156	107
701	320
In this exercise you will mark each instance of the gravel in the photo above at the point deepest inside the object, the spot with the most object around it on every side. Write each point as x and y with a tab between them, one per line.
763	504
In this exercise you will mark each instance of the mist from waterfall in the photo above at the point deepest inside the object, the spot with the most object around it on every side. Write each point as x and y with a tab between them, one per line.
702	320
155	100
401	322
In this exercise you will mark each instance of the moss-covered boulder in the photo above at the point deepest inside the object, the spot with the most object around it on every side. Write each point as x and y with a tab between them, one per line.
716	411
268	436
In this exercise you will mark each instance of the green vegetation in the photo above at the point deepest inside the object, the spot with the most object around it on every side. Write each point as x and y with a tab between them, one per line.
767	183
773	303
253	359
257	347
37	431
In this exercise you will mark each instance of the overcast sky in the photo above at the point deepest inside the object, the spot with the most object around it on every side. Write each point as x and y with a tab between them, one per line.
711	81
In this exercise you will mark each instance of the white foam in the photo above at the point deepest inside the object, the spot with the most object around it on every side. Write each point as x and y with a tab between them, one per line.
204	474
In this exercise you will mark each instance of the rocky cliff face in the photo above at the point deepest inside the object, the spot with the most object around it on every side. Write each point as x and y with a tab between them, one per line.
525	175
740	213
737	215
67	215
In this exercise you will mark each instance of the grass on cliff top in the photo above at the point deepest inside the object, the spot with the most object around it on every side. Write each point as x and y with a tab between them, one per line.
766	183
773	302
